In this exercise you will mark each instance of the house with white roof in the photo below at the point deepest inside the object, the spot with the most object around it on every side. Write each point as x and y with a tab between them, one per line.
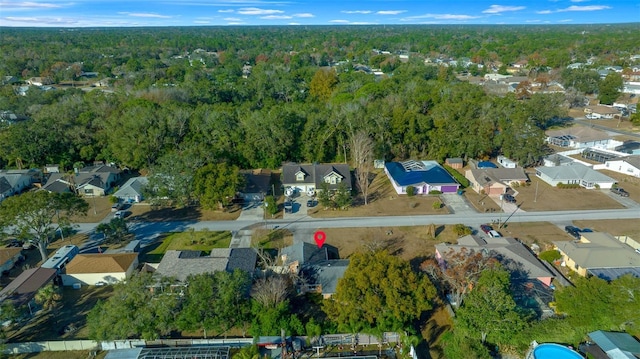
575	173
629	165
580	137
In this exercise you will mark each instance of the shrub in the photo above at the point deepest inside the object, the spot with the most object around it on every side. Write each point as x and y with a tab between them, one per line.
435	191
461	229
437	205
464	182
411	191
550	256
113	199
568	186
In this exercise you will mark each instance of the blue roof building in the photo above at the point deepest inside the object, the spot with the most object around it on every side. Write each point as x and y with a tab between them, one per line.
424	176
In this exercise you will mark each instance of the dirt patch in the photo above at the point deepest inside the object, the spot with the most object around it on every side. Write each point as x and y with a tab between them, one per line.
540	233
616	227
271	239
384	201
144	212
540	196
482	203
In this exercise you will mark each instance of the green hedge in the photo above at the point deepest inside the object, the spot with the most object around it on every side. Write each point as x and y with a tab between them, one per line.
568	186
464	182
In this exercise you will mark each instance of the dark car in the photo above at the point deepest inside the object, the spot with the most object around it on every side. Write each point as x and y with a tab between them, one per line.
620	192
486	228
509	198
586	230
573	231
312	203
14	243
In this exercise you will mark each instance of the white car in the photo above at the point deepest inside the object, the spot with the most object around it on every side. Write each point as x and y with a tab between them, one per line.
494	234
119	214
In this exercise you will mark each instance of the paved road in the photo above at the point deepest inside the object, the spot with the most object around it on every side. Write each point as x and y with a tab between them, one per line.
148	231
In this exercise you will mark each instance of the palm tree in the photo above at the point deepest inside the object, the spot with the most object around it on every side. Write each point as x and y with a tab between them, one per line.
48	296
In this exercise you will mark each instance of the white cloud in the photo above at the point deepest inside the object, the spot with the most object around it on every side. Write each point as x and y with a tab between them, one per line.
202	22
225	10
276	17
304	14
258	11
579	0
40	21
339	21
294	23
543	12
497	9
236	23
585	8
442	17
532	21
145	14
565	20
390	12
27	5
356	11
231	19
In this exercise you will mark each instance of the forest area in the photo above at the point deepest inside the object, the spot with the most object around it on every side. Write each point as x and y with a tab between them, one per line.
181	93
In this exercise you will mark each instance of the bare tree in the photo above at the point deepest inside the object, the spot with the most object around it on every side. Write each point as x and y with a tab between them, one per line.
460	273
271	291
362	157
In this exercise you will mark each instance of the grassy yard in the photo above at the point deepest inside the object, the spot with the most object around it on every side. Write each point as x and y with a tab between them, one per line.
190	240
271	239
144	212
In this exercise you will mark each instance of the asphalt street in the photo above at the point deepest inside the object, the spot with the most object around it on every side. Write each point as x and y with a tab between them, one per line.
149	231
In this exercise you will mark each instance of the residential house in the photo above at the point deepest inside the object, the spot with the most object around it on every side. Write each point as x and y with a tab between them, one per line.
455	162
602	112
611	345
9	257
13	183
39	81
257	183
575	173
557	159
96	269
132	190
424	176
318	271
94	180
511	253
599	254
307	178
629	165
23	289
580	137
181	264
495	181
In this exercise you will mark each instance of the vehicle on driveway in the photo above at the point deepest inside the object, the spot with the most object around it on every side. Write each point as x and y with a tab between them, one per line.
494	234
620	191
117	206
120	214
508	198
573	231
312	203
486	228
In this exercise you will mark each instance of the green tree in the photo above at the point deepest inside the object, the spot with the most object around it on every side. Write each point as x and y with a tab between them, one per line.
342	197
610	88
270	205
48	297
171	181
215	185
40	214
324	196
114	231
379	292
139	307
489	312
323	83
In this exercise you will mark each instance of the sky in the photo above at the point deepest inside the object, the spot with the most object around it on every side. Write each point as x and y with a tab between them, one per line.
117	13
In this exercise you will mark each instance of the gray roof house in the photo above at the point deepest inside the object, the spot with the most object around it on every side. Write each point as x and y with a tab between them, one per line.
257	183
323	277
580	137
514	255
131	191
613	345
181	264
309	177
628	165
599	254
575	173
94	180
13	183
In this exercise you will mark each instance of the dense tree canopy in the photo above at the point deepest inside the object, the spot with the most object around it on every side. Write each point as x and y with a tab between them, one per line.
379	292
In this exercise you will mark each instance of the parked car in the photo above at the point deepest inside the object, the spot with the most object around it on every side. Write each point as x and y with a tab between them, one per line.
573	231
288	207
29	244
508	198
14	243
486	228
120	214
312	203
494	234
117	206
586	230
620	191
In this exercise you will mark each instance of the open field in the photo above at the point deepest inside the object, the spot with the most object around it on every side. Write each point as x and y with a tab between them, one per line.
99	207
271	239
383	201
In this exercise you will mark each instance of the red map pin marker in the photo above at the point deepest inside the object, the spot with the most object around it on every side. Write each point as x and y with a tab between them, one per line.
320	237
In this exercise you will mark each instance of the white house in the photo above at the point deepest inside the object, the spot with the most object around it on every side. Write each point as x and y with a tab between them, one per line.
575	173
629	165
308	178
131	191
92	269
581	137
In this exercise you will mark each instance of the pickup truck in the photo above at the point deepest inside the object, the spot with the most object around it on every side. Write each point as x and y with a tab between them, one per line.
620	191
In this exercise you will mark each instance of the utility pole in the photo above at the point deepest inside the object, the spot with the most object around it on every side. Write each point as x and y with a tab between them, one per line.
535	197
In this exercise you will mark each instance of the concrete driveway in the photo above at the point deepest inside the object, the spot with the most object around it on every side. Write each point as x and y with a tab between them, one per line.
252	211
299	208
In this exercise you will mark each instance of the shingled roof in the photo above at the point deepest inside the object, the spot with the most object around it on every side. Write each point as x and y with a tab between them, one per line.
181	264
101	263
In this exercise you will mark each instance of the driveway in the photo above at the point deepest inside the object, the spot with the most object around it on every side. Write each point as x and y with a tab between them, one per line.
625	201
457	203
252	211
299	208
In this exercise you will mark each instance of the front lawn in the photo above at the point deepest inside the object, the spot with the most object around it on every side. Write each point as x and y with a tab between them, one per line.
190	240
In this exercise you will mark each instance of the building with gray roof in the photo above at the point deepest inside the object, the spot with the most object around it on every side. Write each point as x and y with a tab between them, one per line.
309	177
131	191
614	345
575	173
599	254
181	264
